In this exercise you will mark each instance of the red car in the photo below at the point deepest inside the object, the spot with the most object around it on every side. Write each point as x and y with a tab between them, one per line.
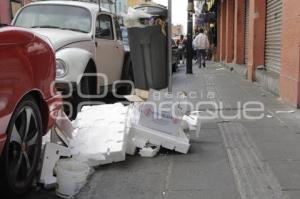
27	105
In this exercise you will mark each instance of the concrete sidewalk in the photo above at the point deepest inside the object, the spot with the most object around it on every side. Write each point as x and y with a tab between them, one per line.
267	148
232	159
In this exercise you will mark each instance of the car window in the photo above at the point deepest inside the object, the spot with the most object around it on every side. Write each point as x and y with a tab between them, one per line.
55	16
118	29
104	28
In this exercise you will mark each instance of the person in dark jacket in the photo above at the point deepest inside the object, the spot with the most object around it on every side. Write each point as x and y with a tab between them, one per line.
181	43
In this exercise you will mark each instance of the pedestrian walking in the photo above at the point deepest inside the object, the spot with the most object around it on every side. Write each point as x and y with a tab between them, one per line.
181	43
201	43
195	51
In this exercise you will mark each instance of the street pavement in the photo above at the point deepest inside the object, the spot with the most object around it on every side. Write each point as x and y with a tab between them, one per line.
231	159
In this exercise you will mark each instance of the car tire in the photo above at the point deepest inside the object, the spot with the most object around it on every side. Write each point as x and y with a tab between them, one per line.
127	74
87	86
21	154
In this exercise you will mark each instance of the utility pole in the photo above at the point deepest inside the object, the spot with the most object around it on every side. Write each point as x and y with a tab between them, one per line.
170	44
189	61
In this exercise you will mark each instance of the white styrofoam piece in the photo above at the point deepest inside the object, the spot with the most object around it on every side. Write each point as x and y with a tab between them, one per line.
100	137
65	125
140	134
52	153
149	151
193	122
163	111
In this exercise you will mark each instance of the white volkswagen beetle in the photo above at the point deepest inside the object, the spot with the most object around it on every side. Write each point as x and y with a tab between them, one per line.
87	40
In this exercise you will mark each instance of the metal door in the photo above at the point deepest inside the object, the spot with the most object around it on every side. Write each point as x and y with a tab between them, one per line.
273	35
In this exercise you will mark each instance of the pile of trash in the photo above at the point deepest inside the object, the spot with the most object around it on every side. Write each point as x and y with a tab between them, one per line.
100	134
104	134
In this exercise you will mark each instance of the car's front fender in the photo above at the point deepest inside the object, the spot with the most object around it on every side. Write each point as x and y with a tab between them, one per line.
76	60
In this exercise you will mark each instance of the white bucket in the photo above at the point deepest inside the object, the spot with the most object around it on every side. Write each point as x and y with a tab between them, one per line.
71	177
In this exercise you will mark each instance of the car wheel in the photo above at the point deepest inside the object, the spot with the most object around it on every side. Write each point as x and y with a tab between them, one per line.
76	99
127	74
87	87
22	150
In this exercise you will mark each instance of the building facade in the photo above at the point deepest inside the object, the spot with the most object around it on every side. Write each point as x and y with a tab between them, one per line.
177	30
261	39
121	6
8	8
132	3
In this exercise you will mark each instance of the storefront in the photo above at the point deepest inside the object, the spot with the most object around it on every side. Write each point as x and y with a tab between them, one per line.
266	38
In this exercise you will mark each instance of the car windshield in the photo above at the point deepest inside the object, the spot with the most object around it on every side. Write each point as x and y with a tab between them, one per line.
55	16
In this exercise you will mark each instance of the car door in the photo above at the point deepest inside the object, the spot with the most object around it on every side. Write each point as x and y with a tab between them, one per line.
109	48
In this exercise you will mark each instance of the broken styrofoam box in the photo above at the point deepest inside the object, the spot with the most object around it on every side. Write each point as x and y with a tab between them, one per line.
98	114
158	119
178	143
140	135
100	135
163	111
149	150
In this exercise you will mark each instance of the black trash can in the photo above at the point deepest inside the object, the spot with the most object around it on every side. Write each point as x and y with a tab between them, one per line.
148	49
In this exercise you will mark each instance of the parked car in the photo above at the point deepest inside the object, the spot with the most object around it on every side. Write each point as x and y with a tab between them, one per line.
87	40
27	70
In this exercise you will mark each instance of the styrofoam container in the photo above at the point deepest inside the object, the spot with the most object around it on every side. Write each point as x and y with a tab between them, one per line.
71	177
140	135
100	135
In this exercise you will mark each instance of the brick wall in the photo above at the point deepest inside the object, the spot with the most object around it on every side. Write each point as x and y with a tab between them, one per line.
4	12
290	53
